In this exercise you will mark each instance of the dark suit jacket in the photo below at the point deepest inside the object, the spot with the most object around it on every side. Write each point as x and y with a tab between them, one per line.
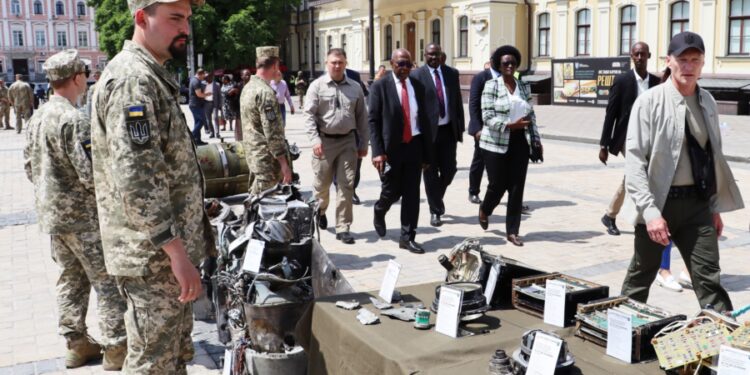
356	77
622	95
475	100
452	93
386	119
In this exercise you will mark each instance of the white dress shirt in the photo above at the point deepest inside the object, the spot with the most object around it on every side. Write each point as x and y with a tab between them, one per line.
412	103
443	120
642	83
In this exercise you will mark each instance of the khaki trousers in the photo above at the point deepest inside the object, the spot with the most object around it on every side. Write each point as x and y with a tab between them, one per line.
340	158
616	203
5	115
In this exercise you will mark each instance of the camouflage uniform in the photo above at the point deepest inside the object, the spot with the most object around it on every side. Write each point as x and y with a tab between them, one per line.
149	191
57	160
263	134
4	106
22	96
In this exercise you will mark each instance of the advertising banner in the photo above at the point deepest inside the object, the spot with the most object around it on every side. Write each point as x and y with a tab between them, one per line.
585	81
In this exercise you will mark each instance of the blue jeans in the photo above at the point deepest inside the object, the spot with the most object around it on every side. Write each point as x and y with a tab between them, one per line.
199	119
665	261
282	109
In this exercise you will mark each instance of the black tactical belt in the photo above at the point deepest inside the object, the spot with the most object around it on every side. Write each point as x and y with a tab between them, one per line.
336	135
681	192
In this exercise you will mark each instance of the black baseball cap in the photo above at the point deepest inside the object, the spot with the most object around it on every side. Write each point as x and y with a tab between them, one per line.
684	41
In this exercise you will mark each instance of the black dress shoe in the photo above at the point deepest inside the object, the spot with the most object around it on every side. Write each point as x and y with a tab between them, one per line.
484	220
514	239
611	226
378	220
435	220
345	237
411	246
474	198
322	222
355	198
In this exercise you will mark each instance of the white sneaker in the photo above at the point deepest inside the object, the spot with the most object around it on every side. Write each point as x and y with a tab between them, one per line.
669	283
685	280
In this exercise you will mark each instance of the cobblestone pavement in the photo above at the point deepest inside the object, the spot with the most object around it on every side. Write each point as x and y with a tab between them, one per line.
567	195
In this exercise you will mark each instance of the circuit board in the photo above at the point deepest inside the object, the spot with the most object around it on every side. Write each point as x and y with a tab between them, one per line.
690	345
741	337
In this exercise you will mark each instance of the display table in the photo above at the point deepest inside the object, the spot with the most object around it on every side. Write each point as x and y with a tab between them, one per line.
339	344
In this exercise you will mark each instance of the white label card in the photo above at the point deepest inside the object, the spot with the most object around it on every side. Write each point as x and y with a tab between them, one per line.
253	256
228	362
619	335
733	361
389	281
449	309
554	303
489	289
544	354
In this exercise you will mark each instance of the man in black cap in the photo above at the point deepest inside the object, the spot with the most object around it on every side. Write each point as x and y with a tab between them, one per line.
677	177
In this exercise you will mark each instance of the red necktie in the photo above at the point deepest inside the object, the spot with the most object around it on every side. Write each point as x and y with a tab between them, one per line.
406	138
440	95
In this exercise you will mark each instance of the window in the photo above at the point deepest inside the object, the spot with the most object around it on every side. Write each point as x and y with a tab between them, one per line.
83	39
583	33
343	42
367	44
436	32
59	8
17	38
38	9
40	37
739	27
317	49
543	34
306	49
627	29
81	8
329	43
15	7
388	41
62	39
680	18
40	66
463	36
1	66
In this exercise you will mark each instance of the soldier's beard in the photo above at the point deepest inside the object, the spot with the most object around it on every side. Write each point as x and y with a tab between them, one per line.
178	52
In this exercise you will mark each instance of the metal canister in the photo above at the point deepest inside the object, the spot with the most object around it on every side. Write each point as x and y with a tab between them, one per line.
422	319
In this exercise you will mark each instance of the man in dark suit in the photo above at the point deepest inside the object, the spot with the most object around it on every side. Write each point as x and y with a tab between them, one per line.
625	89
475	129
401	145
445	112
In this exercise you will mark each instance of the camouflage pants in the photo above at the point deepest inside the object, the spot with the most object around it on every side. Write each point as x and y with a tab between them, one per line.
5	116
22	113
81	260
265	172
158	325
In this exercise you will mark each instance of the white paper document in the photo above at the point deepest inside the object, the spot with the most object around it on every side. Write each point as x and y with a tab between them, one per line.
619	335
228	362
544	354
519	108
389	281
449	309
733	361
253	256
489	289
554	303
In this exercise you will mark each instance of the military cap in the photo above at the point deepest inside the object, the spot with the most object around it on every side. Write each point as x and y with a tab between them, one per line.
266	52
64	64
140	4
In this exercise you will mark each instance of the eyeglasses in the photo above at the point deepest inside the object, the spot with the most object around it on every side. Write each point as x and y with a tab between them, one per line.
509	63
404	64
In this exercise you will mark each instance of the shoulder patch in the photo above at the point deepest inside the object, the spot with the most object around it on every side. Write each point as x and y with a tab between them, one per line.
86	144
138	126
270	112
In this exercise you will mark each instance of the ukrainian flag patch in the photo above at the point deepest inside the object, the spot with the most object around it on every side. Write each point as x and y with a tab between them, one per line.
135	111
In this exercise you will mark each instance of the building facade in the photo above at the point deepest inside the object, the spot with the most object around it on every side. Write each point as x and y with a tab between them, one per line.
33	30
541	29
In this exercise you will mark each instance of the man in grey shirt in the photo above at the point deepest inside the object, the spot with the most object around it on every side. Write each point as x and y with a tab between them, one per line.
197	104
335	114
677	178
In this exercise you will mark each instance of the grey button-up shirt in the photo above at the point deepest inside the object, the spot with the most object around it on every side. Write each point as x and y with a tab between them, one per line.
656	132
336	108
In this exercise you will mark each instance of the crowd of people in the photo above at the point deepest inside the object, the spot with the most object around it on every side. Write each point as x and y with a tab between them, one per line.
119	189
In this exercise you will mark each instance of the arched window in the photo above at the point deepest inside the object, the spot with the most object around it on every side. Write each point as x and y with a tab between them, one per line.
739	27
627	29
583	33
388	42
38	8
15	7
679	18
436	31
343	42
463	36
329	43
543	34
81	8
59	8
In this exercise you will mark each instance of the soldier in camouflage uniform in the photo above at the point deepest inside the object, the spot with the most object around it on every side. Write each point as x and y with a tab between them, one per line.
265	146
149	189
4	106
58	162
22	99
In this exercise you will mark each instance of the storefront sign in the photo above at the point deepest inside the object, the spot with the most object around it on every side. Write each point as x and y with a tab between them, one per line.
585	81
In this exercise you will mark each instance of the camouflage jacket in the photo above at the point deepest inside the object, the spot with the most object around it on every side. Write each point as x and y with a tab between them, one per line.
261	120
21	95
57	160
4	100
148	181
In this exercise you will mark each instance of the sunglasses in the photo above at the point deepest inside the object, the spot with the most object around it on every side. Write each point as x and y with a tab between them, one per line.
86	72
404	64
509	63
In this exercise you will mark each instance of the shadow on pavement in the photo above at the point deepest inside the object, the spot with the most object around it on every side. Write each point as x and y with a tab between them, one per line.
535	205
447	242
356	262
561	236
735	283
